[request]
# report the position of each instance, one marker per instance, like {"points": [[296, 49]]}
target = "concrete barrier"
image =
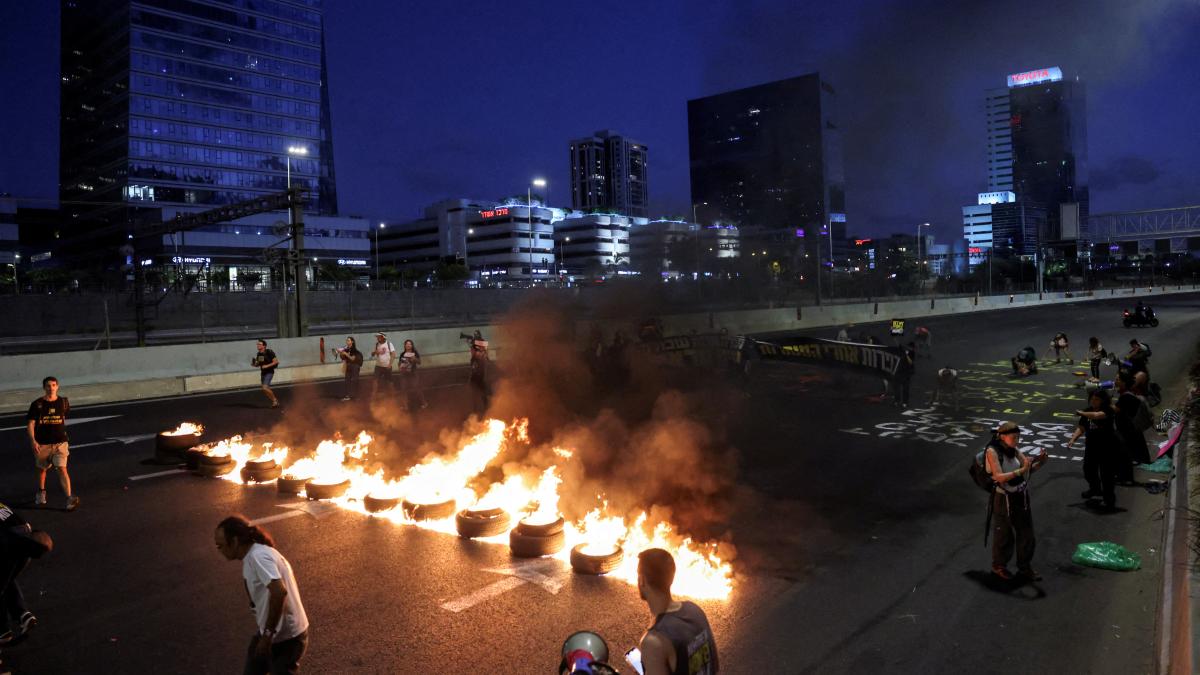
{"points": [[147, 372]]}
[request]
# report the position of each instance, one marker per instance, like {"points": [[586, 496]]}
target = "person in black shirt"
{"points": [[352, 361], [1127, 406], [680, 642], [47, 424], [904, 374], [18, 543], [266, 362], [1101, 447], [480, 394]]}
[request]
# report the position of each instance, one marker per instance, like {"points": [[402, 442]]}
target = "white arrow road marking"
{"points": [[168, 472], [124, 440], [70, 422], [547, 573], [315, 509]]}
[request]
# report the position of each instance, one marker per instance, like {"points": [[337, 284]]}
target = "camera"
{"points": [[475, 341]]}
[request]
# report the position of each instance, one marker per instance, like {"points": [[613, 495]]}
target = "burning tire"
{"points": [[585, 563], [375, 504], [316, 490], [482, 523], [541, 529], [215, 459], [192, 456], [431, 511], [212, 469], [261, 465], [251, 474], [533, 546], [290, 485]]}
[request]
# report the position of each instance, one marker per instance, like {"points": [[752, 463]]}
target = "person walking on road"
{"points": [[19, 543], [352, 361], [1012, 518], [47, 426], [266, 362], [1101, 448], [384, 353], [904, 374], [1096, 354], [680, 640], [410, 383], [282, 635]]}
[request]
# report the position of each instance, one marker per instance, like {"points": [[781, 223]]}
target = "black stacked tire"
{"points": [[375, 504], [482, 523], [316, 490], [584, 563], [433, 511], [290, 485], [169, 449], [534, 546], [214, 465], [542, 529], [261, 473]]}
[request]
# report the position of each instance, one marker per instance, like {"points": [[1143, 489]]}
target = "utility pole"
{"points": [[300, 322]]}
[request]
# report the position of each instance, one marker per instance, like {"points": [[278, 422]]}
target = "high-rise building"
{"points": [[998, 110], [770, 157], [194, 103], [608, 172]]}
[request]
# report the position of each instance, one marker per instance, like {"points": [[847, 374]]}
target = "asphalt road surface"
{"points": [[859, 535]]}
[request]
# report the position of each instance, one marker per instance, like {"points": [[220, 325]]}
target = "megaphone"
{"points": [[585, 652]]}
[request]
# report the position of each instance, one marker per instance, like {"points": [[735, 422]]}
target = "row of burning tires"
{"points": [[526, 540]]}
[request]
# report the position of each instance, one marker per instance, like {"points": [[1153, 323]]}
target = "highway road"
{"points": [[858, 532]]}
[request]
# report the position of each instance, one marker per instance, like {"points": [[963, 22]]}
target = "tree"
{"points": [[249, 280], [451, 271]]}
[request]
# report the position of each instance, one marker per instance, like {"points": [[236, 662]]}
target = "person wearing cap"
{"points": [[1012, 518], [384, 353]]}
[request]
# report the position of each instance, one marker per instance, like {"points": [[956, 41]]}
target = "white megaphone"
{"points": [[585, 652]]}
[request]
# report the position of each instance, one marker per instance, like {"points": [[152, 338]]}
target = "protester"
{"points": [[1101, 447], [1128, 405], [266, 362], [282, 634], [47, 427], [352, 361], [923, 340], [1061, 345], [680, 640], [1096, 354], [843, 334], [1012, 518], [1025, 362], [946, 386], [478, 379], [904, 374], [18, 544], [410, 384], [384, 353], [1138, 357]]}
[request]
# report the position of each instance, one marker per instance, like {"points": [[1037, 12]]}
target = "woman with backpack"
{"points": [[352, 361], [1102, 447], [1012, 519]]}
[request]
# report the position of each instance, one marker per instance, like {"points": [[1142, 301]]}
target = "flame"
{"points": [[186, 428], [530, 495]]}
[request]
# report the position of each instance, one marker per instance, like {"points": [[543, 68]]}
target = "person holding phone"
{"points": [[680, 641]]}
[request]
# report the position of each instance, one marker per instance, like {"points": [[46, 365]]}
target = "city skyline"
{"points": [[478, 128]]}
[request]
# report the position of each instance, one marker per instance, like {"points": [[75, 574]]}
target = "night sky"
{"points": [[433, 100]]}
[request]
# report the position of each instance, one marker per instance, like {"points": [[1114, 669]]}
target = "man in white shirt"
{"points": [[274, 598], [385, 353]]}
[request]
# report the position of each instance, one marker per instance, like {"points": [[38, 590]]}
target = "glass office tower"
{"points": [[770, 157], [193, 103]]}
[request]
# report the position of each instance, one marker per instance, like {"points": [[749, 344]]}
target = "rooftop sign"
{"points": [[1035, 76], [997, 198]]}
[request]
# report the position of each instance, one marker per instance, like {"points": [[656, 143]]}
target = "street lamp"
{"points": [[538, 183], [381, 226], [562, 262], [467, 251], [299, 151], [16, 282], [920, 270]]}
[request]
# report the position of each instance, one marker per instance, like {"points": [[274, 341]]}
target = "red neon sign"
{"points": [[493, 213], [974, 249], [860, 242]]}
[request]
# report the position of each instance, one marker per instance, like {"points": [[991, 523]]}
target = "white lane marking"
{"points": [[156, 474], [316, 509], [485, 593], [74, 446], [132, 439], [70, 422], [545, 572], [277, 516]]}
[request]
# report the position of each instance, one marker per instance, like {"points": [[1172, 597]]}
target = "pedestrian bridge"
{"points": [[1175, 223]]}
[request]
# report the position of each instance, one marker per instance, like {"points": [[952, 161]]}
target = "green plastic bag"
{"points": [[1160, 465], [1106, 555]]}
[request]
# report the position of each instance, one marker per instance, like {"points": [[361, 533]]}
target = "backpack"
{"points": [[1153, 395], [979, 473]]}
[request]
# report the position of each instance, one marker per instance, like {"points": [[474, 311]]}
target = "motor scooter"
{"points": [[1146, 318]]}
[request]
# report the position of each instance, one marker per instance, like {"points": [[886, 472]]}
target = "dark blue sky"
{"points": [[433, 100]]}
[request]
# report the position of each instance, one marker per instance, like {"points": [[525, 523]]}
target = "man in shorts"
{"points": [[47, 419], [385, 353], [266, 362]]}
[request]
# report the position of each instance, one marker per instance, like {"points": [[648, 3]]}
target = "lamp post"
{"points": [[562, 263], [381, 226], [467, 252], [920, 266], [538, 183], [16, 281], [299, 151]]}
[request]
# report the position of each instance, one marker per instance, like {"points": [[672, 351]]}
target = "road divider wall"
{"points": [[104, 376]]}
